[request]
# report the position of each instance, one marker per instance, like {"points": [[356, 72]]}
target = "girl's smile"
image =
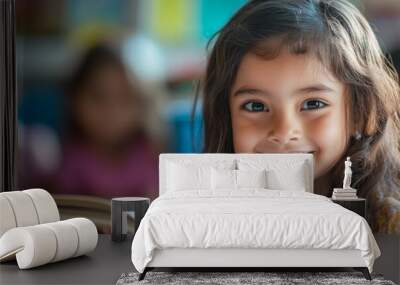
{"points": [[289, 104]]}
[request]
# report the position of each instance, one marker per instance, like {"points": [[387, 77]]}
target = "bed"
{"points": [[246, 211]]}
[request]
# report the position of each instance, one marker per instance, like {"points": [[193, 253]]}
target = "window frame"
{"points": [[8, 96]]}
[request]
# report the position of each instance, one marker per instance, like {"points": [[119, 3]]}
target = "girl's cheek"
{"points": [[317, 130], [247, 133], [327, 129], [328, 134]]}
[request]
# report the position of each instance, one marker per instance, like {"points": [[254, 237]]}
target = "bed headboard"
{"points": [[267, 158]]}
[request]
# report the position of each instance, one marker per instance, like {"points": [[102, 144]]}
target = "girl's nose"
{"points": [[284, 129]]}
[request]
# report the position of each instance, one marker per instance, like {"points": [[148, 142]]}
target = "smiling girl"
{"points": [[308, 76]]}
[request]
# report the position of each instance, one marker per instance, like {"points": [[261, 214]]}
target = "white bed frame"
{"points": [[249, 257]]}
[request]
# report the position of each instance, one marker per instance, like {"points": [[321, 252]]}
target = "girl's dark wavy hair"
{"points": [[336, 32]]}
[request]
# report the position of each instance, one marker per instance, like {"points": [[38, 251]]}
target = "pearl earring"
{"points": [[357, 135]]}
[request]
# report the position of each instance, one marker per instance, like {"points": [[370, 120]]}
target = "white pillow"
{"points": [[293, 180], [223, 179], [251, 178], [193, 174], [228, 179], [187, 177], [281, 175]]}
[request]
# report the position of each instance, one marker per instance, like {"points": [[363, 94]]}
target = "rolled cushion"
{"points": [[45, 205], [87, 235], [33, 246], [66, 239], [23, 208], [41, 244], [7, 218], [26, 208]]}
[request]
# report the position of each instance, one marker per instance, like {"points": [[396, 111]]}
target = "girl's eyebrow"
{"points": [[304, 90]]}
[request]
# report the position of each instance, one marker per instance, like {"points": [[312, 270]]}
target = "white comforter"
{"points": [[250, 219]]}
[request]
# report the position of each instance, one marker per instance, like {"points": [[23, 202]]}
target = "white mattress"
{"points": [[252, 218]]}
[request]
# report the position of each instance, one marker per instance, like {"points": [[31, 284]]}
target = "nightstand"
{"points": [[120, 209], [356, 205]]}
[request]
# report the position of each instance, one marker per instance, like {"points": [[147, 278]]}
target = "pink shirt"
{"points": [[85, 173]]}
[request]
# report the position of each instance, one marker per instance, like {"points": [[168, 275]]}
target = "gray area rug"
{"points": [[226, 278]]}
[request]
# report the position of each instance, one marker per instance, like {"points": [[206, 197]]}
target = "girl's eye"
{"points": [[313, 104], [254, 106]]}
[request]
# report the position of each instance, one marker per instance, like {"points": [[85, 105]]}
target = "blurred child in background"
{"points": [[107, 151]]}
